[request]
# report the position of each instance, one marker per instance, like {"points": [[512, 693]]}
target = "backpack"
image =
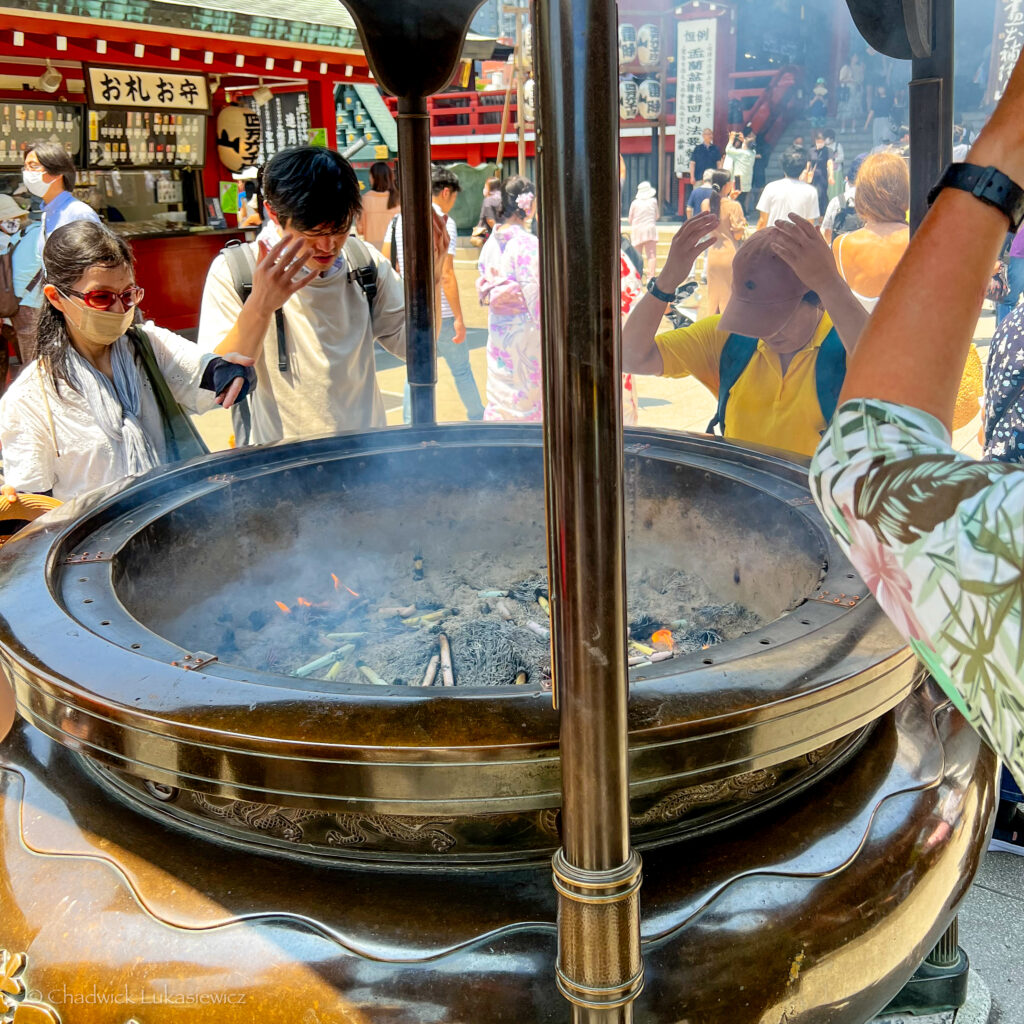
{"points": [[829, 371], [241, 262], [846, 219], [8, 300]]}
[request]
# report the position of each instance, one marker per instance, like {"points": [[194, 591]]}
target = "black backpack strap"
{"points": [[736, 353], [182, 438], [363, 268], [829, 373], [393, 243], [242, 264]]}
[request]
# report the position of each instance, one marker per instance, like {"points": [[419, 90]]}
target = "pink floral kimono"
{"points": [[509, 285]]}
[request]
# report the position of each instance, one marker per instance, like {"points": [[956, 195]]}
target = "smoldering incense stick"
{"points": [[431, 673], [447, 673]]}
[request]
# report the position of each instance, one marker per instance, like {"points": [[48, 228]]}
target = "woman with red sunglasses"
{"points": [[101, 400]]}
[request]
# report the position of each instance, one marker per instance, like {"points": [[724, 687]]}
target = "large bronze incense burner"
{"points": [[259, 823], [156, 574], [231, 798]]}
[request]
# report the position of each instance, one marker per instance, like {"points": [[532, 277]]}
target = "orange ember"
{"points": [[338, 585], [283, 607], [662, 638], [303, 603]]}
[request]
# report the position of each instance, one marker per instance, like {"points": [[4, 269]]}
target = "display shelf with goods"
{"points": [[143, 138], [22, 123]]}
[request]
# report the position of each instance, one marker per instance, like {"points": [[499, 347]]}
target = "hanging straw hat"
{"points": [[645, 190]]}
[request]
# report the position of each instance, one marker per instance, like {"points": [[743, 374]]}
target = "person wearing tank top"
{"points": [[867, 257]]}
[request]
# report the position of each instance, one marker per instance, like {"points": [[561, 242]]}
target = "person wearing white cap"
{"points": [[643, 226]]}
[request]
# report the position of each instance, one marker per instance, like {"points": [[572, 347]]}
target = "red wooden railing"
{"points": [[769, 99], [465, 113]]}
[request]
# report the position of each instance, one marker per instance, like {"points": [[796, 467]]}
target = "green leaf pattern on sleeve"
{"points": [[939, 540]]}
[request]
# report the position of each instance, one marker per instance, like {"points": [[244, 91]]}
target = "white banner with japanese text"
{"points": [[1007, 40], [695, 86], [147, 90]]}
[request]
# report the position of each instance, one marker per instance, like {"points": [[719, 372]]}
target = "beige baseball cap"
{"points": [[765, 290]]}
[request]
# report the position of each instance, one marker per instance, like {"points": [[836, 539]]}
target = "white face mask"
{"points": [[34, 183], [9, 227], [100, 326]]}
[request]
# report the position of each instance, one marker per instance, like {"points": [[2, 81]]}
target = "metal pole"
{"points": [[596, 874], [931, 112], [518, 73], [504, 123], [417, 250]]}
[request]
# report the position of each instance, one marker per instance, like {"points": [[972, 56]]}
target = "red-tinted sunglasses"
{"points": [[100, 298]]}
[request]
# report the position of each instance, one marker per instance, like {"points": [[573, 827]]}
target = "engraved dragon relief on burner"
{"points": [[338, 829], [737, 790]]}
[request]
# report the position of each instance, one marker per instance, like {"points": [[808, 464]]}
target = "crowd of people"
{"points": [[823, 330]]}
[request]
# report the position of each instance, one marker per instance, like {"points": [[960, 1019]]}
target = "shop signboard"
{"points": [[285, 122], [136, 89], [695, 86]]}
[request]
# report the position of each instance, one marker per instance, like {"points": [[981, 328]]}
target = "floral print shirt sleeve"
{"points": [[939, 540]]}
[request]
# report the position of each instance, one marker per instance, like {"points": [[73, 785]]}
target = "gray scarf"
{"points": [[116, 405]]}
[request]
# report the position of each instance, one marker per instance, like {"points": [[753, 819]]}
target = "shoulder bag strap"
{"points": [[183, 439], [49, 411]]}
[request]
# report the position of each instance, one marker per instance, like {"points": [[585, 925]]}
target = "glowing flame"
{"points": [[283, 607], [338, 585], [662, 638], [303, 603]]}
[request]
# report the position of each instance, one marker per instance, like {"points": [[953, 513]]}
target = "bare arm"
{"points": [[762, 221], [639, 352], [915, 345], [693, 174], [450, 287], [800, 244]]}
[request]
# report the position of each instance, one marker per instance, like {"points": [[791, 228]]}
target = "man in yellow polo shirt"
{"points": [[788, 307]]}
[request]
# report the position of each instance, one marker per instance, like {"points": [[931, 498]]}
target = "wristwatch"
{"points": [[652, 287], [987, 184]]}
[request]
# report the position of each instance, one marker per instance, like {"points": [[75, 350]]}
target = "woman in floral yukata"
{"points": [[509, 285], [937, 536]]}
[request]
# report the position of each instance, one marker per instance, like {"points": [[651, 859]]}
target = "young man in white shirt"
{"points": [[325, 382], [788, 195]]}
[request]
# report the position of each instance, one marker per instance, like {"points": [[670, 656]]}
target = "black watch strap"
{"points": [[987, 184], [652, 287]]}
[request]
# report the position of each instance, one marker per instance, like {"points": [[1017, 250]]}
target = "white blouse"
{"points": [[73, 455]]}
